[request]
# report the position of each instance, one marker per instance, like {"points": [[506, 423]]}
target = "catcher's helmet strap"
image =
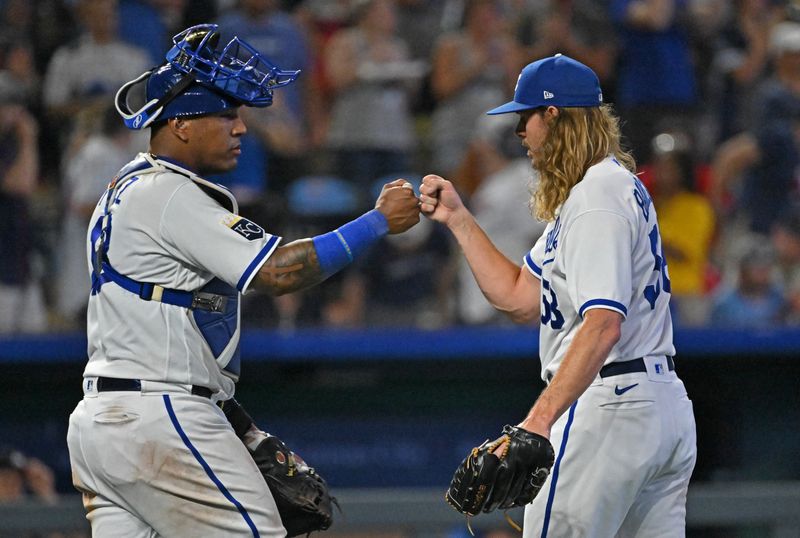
{"points": [[149, 112]]}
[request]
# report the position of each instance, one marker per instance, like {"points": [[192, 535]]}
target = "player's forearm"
{"points": [[22, 176], [593, 342], [307, 262], [495, 274], [292, 267], [242, 423]]}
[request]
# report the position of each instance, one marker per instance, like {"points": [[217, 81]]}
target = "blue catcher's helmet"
{"points": [[200, 78]]}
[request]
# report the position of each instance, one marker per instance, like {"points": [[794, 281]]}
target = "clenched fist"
{"points": [[439, 200], [399, 205]]}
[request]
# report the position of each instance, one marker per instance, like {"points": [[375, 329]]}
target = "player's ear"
{"points": [[551, 113], [179, 128]]}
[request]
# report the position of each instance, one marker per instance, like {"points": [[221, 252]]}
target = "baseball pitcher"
{"points": [[614, 410]]}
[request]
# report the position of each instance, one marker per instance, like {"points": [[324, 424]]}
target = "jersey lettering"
{"points": [[551, 315], [552, 237], [652, 291], [662, 283], [642, 198]]}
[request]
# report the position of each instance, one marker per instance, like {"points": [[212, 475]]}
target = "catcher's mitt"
{"points": [[302, 496], [484, 482]]}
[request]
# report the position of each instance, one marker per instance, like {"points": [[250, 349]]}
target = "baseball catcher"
{"points": [[165, 309], [304, 502], [505, 473]]}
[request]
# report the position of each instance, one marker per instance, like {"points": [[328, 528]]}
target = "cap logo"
{"points": [[548, 95], [137, 121]]}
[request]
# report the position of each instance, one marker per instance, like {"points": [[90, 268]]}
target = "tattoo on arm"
{"points": [[291, 267]]}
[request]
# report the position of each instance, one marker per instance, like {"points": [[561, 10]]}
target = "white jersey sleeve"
{"points": [[533, 260], [200, 232]]}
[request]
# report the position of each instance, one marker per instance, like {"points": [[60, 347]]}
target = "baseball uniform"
{"points": [[625, 449], [169, 258]]}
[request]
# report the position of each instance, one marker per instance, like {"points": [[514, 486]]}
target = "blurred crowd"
{"points": [[708, 91]]}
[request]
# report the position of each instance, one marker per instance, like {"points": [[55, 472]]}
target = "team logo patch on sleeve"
{"points": [[246, 228]]}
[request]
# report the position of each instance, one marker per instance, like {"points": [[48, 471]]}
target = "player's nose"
{"points": [[521, 128], [239, 128]]}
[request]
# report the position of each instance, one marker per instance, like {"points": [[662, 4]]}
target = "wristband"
{"points": [[237, 416], [337, 249]]}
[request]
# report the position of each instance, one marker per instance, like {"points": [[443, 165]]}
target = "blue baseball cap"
{"points": [[558, 81]]}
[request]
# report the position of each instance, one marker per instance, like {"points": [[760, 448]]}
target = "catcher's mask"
{"points": [[200, 78]]}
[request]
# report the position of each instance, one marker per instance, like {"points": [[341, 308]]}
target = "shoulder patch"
{"points": [[244, 227]]}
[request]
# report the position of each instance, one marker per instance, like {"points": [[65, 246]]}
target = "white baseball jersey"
{"points": [[625, 450], [164, 227], [603, 250], [169, 260]]}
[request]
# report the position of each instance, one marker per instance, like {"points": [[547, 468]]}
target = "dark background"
{"points": [[390, 422]]}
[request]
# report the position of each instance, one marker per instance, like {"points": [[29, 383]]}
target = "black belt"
{"points": [[106, 384], [628, 367], [625, 367]]}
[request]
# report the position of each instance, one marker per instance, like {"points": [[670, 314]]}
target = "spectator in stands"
{"points": [[270, 160], [655, 77], [786, 242], [792, 314], [756, 299], [22, 477], [272, 31], [472, 69], [17, 67], [18, 71], [421, 22], [87, 172], [502, 172], [740, 58], [87, 73], [21, 299], [321, 20], [45, 24], [765, 159], [580, 29], [686, 221], [371, 130], [143, 25]]}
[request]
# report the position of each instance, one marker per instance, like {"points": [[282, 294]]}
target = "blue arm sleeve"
{"points": [[337, 249]]}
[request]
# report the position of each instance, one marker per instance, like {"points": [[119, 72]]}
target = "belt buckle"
{"points": [[209, 301]]}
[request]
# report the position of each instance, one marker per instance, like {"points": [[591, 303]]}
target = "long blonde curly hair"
{"points": [[576, 139]]}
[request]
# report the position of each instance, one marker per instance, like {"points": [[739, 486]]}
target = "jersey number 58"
{"points": [[550, 312], [652, 291]]}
